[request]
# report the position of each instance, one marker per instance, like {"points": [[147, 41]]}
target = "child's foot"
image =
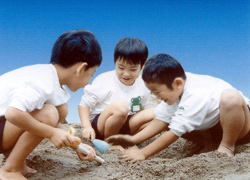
{"points": [[227, 150], [4, 175], [123, 140], [27, 170], [116, 147]]}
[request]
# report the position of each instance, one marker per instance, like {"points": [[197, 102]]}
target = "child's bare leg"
{"points": [[234, 119], [139, 121], [121, 139], [14, 164], [62, 111], [113, 118], [22, 143], [25, 169]]}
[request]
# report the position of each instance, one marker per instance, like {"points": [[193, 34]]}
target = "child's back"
{"points": [[27, 88], [33, 100]]}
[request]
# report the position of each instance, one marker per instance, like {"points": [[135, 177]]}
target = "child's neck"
{"points": [[182, 90], [62, 74]]}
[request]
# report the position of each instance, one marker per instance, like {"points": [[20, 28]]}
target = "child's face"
{"points": [[82, 79], [127, 73], [161, 91]]}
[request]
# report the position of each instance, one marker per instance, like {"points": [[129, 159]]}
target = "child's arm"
{"points": [[153, 128], [158, 145], [60, 138], [88, 132]]}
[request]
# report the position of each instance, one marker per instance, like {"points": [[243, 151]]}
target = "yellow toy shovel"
{"points": [[81, 148]]}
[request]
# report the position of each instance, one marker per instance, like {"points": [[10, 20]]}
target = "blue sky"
{"points": [[207, 37]]}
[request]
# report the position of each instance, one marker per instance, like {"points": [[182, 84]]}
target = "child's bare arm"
{"points": [[158, 145], [25, 121], [153, 128], [88, 132]]}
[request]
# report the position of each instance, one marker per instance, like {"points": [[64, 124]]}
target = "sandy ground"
{"points": [[176, 162]]}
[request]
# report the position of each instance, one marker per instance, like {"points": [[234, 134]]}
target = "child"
{"points": [[33, 100], [190, 103], [109, 105]]}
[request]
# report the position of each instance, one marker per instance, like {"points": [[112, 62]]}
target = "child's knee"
{"points": [[62, 111], [231, 99], [122, 108], [47, 115]]}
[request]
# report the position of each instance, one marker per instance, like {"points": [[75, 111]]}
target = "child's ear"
{"points": [[178, 82], [81, 67]]}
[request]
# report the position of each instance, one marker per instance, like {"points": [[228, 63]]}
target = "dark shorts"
{"points": [[2, 124], [216, 135], [124, 130]]}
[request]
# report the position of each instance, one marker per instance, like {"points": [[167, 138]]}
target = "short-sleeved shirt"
{"points": [[107, 88], [29, 88], [198, 108]]}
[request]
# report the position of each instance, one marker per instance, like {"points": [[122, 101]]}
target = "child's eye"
{"points": [[120, 67], [133, 69]]}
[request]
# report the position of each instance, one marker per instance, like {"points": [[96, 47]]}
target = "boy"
{"points": [[190, 104], [33, 100], [107, 106]]}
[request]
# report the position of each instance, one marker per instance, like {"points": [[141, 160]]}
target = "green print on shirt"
{"points": [[136, 105]]}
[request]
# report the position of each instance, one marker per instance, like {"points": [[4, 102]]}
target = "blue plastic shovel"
{"points": [[100, 145]]}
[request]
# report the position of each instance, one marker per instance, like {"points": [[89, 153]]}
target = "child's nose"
{"points": [[126, 73]]}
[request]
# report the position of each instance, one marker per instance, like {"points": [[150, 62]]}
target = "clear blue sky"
{"points": [[207, 37]]}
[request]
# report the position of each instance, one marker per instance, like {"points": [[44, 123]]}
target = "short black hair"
{"points": [[132, 50], [162, 69], [76, 46]]}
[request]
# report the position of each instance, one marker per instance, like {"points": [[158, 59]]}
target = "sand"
{"points": [[176, 162]]}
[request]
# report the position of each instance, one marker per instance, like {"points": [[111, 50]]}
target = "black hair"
{"points": [[76, 46], [132, 50], [162, 69]]}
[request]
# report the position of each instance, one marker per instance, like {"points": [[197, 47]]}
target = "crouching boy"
{"points": [[33, 100]]}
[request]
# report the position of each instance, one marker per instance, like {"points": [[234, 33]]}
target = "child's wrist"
{"points": [[86, 125], [133, 140], [143, 153]]}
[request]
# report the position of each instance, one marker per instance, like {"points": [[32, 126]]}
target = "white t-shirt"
{"points": [[107, 88], [198, 108], [29, 88]]}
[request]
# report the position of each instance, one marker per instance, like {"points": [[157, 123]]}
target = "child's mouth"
{"points": [[126, 79]]}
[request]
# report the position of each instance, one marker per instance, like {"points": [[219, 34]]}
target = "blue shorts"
{"points": [[124, 130], [2, 124]]}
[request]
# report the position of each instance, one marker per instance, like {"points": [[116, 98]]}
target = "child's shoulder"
{"points": [[201, 86], [106, 74], [31, 71], [204, 81], [33, 75], [105, 78]]}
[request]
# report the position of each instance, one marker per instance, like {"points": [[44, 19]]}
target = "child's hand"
{"points": [[134, 154], [60, 138], [91, 155], [123, 140], [88, 134]]}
